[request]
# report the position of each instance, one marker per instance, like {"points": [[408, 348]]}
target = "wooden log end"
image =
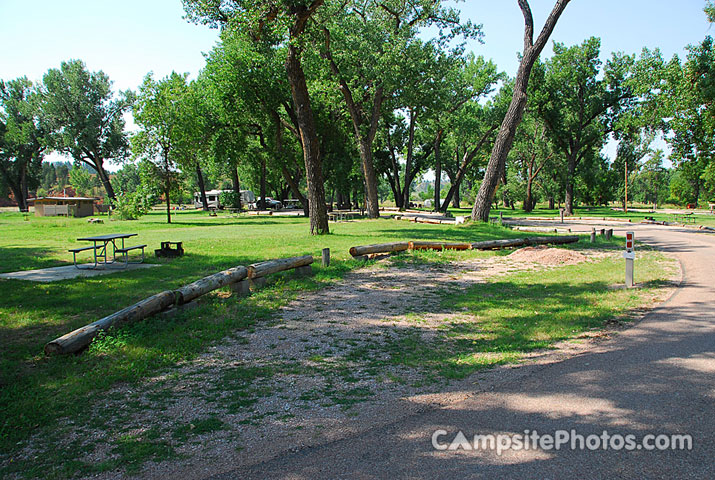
{"points": [[53, 348]]}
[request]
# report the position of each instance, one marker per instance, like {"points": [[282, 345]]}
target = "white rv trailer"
{"points": [[213, 198]]}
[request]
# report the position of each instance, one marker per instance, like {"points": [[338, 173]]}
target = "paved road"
{"points": [[657, 377]]}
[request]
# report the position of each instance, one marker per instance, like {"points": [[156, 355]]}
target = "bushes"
{"points": [[230, 199], [131, 206]]}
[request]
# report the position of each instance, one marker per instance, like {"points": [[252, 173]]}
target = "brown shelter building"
{"points": [[63, 206]]}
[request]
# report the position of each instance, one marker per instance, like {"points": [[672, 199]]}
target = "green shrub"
{"points": [[131, 206], [230, 199]]}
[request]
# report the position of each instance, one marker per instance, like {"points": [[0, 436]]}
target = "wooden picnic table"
{"points": [[684, 217], [341, 215], [100, 244]]}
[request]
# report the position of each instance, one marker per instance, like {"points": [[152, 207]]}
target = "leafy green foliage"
{"points": [[86, 119], [23, 138], [131, 206]]}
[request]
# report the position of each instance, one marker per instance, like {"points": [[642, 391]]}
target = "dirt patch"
{"points": [[548, 256]]}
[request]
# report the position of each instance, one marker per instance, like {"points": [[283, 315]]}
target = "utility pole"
{"points": [[625, 203]]}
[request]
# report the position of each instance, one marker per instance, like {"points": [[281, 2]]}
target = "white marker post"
{"points": [[629, 255]]}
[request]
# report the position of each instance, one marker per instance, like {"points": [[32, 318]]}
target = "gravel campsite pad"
{"points": [[319, 371]]}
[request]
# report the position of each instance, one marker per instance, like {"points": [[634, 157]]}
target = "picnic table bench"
{"points": [[100, 247], [684, 217], [341, 216]]}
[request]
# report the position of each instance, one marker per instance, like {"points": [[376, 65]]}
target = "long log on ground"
{"points": [[200, 287], [426, 245], [379, 248], [80, 338], [520, 242], [498, 244], [262, 269], [553, 240], [435, 221]]}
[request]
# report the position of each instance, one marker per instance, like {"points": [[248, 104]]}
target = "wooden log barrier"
{"points": [[433, 221], [498, 244], [562, 240], [200, 287], [262, 269], [520, 242], [425, 245], [80, 338], [379, 248]]}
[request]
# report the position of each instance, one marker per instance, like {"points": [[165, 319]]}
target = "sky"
{"points": [[128, 39]]}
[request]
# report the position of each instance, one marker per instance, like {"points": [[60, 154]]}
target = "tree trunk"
{"points": [[394, 187], [168, 204], [202, 187], [569, 200], [368, 168], [395, 179], [15, 184], [504, 193], [408, 162], [528, 199], [262, 201], [456, 197], [505, 137], [295, 190], [104, 178], [466, 161], [364, 140], [236, 186], [437, 172], [309, 140]]}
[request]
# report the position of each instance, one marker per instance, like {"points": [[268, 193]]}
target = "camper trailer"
{"points": [[213, 198]]}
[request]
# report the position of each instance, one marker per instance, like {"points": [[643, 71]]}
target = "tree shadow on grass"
{"points": [[14, 259]]}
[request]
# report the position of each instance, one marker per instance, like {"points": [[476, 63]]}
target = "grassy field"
{"points": [[700, 217], [36, 392]]}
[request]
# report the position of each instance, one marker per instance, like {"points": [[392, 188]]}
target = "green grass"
{"points": [[706, 219], [37, 392], [524, 311]]}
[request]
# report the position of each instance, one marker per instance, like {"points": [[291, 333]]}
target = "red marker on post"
{"points": [[630, 256]]}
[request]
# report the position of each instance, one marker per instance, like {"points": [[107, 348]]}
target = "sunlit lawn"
{"points": [[520, 312], [34, 389], [706, 219]]}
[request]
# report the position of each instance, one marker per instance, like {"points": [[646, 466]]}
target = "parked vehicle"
{"points": [[270, 204], [213, 198], [292, 204]]}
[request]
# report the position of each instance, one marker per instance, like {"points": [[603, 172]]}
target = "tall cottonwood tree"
{"points": [[370, 51], [505, 137], [22, 138], [163, 139], [245, 84], [86, 117], [686, 102], [279, 23], [579, 106]]}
